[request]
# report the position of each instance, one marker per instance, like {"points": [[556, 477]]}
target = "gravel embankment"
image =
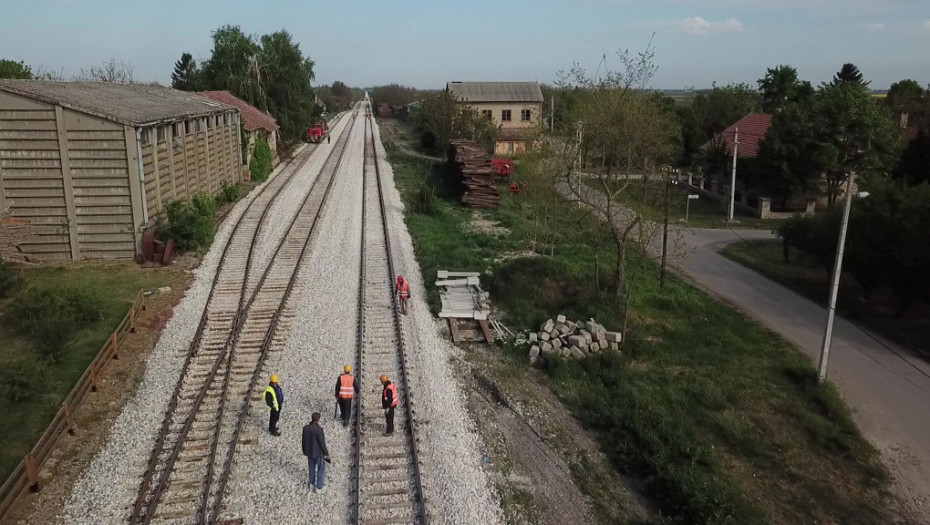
{"points": [[457, 489], [106, 490], [269, 478]]}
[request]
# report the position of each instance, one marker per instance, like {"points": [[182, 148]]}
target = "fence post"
{"points": [[93, 376], [68, 418], [132, 319], [114, 340], [32, 473]]}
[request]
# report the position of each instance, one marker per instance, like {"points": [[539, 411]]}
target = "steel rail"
{"points": [[154, 461]]}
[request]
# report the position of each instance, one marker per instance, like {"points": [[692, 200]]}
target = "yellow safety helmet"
{"points": [[384, 378], [274, 378], [348, 368]]}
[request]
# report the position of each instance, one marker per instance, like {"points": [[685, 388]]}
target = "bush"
{"points": [[189, 225], [18, 379], [50, 318], [10, 280], [424, 201], [428, 140], [261, 160], [229, 193]]}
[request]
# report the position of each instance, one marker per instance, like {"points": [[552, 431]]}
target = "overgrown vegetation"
{"points": [[441, 119], [721, 420], [260, 166], [229, 193], [10, 280], [90, 301], [189, 224]]}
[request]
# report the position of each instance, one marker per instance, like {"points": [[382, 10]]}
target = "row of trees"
{"points": [[112, 70], [268, 71]]}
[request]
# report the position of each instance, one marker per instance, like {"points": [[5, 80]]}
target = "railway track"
{"points": [[189, 465], [387, 481]]}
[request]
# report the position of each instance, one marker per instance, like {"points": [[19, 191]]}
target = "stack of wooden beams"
{"points": [[478, 174]]}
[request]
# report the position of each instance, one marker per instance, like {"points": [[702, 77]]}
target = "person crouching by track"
{"points": [[346, 389], [313, 444], [274, 398], [403, 293], [388, 403]]}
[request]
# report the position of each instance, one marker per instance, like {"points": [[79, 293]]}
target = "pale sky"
{"points": [[426, 43]]}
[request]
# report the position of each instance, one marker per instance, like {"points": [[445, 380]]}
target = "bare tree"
{"points": [[629, 139], [112, 70], [44, 73]]}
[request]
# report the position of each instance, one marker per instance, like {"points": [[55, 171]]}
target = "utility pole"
{"points": [[733, 177], [668, 189], [835, 283]]}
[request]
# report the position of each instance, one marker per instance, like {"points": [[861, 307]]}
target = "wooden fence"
{"points": [[26, 474]]}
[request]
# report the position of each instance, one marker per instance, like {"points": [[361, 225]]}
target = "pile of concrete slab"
{"points": [[568, 339]]}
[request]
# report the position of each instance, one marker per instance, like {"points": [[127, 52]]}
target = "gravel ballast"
{"points": [[106, 490], [268, 483], [456, 487]]}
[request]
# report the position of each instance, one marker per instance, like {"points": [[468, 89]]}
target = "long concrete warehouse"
{"points": [[85, 167]]}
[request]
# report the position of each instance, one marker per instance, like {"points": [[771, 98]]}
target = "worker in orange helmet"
{"points": [[388, 403], [346, 389], [403, 293]]}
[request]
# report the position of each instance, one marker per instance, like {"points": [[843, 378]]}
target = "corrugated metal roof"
{"points": [[130, 104], [496, 91], [752, 129], [252, 117]]}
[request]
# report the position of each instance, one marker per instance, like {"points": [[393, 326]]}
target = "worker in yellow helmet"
{"points": [[274, 398], [346, 390]]}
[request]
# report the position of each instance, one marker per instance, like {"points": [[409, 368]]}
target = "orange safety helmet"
{"points": [[384, 378]]}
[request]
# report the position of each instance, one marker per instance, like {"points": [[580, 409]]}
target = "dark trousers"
{"points": [[345, 408], [275, 415], [389, 419]]}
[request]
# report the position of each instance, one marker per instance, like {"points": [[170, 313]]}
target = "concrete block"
{"points": [[547, 326], [560, 319], [594, 347], [557, 343], [577, 340], [577, 354], [580, 325], [614, 346], [533, 337], [543, 336], [613, 337], [553, 334], [566, 330], [566, 352], [558, 327], [534, 352], [587, 336], [545, 346]]}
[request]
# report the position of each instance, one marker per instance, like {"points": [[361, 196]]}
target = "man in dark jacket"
{"points": [[274, 398], [388, 403], [313, 443]]}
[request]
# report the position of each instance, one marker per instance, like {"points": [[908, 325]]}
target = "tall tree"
{"points": [[914, 166], [185, 74], [287, 79], [12, 69], [849, 74], [780, 87], [235, 65], [790, 159], [113, 70], [723, 106], [446, 119]]}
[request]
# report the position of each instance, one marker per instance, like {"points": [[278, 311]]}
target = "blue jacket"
{"points": [[278, 392]]}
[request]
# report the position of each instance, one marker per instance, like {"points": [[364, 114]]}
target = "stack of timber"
{"points": [[478, 174], [463, 301]]}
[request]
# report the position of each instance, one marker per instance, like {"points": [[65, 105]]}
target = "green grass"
{"points": [[701, 213], [807, 277], [116, 286], [720, 419]]}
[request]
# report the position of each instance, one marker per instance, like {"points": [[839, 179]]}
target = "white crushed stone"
{"points": [[106, 490], [456, 486], [268, 483]]}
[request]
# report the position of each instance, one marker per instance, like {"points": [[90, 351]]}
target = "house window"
{"points": [[486, 113], [525, 115], [145, 136], [505, 115], [188, 127], [225, 119], [161, 133], [178, 129]]}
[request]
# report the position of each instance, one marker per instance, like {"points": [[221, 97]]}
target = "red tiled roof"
{"points": [[752, 129], [252, 117]]}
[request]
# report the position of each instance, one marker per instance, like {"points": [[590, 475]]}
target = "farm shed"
{"points": [[255, 122], [85, 167]]}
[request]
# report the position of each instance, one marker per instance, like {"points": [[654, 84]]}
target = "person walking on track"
{"points": [[274, 398], [403, 293], [388, 403], [346, 389], [313, 444]]}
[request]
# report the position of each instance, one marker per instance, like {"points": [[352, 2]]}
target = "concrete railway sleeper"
{"points": [[200, 432], [387, 483]]}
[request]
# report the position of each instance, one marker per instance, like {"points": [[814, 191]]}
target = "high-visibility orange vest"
{"points": [[403, 290], [346, 386], [393, 388]]}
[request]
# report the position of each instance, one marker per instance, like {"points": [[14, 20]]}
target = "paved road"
{"points": [[887, 387]]}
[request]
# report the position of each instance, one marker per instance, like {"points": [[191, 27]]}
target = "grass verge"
{"points": [[720, 419], [807, 277], [47, 382]]}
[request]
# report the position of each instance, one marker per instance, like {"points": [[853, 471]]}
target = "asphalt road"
{"points": [[887, 387]]}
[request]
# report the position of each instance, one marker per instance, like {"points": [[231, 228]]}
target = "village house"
{"points": [[255, 122], [515, 107], [86, 167]]}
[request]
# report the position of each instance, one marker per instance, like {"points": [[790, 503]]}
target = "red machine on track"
{"points": [[317, 132]]}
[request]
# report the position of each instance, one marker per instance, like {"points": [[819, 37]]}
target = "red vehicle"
{"points": [[316, 133]]}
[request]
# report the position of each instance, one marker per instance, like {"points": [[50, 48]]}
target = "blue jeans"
{"points": [[317, 471]]}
